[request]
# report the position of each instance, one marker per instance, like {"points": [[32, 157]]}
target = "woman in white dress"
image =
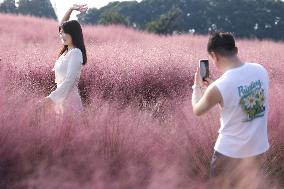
{"points": [[66, 98]]}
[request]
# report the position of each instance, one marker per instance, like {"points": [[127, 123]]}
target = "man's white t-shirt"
{"points": [[243, 131]]}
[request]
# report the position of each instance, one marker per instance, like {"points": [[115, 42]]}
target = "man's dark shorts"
{"points": [[222, 165]]}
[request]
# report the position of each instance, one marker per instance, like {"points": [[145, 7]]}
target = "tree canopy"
{"points": [[245, 18], [39, 8], [262, 19]]}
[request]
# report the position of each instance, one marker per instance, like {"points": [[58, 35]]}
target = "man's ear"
{"points": [[215, 56]]}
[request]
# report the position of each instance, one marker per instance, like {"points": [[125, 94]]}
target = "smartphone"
{"points": [[204, 68]]}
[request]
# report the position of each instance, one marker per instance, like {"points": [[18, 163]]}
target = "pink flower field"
{"points": [[139, 130]]}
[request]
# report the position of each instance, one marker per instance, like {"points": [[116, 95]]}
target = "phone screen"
{"points": [[204, 68]]}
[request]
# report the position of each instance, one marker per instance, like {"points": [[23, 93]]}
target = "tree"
{"points": [[125, 9], [91, 17], [166, 24], [111, 17], [39, 8], [8, 6], [262, 19]]}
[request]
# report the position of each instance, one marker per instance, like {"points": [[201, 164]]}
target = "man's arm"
{"points": [[202, 103]]}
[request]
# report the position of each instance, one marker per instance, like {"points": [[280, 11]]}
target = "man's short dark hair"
{"points": [[222, 44]]}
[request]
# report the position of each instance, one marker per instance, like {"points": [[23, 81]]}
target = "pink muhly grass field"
{"points": [[139, 130]]}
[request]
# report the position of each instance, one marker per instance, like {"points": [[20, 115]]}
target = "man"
{"points": [[242, 95]]}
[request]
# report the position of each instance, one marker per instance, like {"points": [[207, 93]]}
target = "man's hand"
{"points": [[208, 81], [201, 103], [198, 79]]}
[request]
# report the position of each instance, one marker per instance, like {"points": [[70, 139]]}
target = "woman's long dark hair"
{"points": [[74, 29]]}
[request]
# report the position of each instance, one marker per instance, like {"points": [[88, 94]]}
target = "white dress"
{"points": [[67, 74]]}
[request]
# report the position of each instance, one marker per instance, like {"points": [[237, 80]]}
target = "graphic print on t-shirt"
{"points": [[252, 100]]}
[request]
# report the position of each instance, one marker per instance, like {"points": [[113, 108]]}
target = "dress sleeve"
{"points": [[73, 72]]}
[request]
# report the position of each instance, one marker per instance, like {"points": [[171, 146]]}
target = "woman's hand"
{"points": [[44, 104], [81, 8], [42, 107], [66, 17]]}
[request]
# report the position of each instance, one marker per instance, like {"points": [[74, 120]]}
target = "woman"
{"points": [[68, 67]]}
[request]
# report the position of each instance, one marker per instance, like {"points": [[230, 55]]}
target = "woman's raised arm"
{"points": [[66, 17]]}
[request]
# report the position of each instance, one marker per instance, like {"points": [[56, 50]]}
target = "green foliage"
{"points": [[123, 11], [166, 24], [93, 14], [39, 8], [111, 17], [245, 18], [262, 19], [8, 6]]}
